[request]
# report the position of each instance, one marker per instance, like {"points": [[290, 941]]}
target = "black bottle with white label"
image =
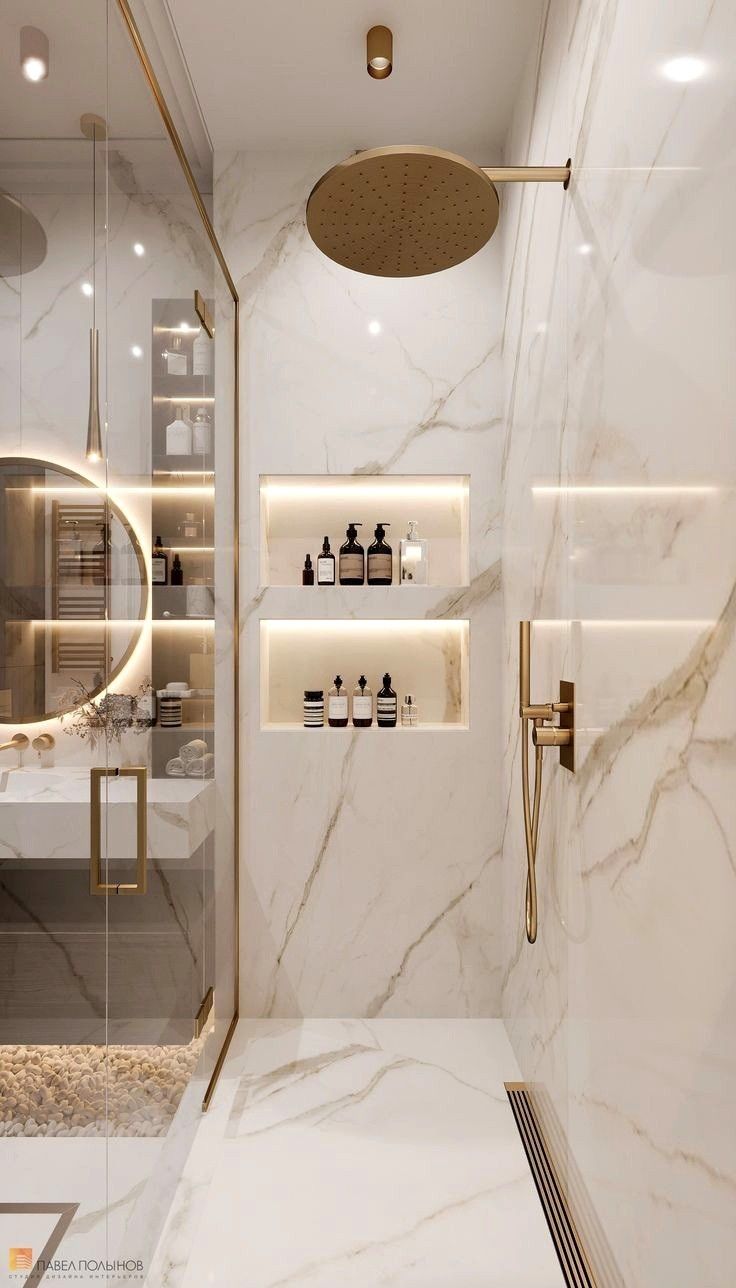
{"points": [[326, 566], [380, 559], [386, 705], [362, 704], [352, 558], [159, 565]]}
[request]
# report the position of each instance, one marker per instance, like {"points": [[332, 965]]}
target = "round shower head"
{"points": [[22, 239], [402, 211]]}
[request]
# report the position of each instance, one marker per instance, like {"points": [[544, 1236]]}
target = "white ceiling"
{"points": [[291, 73]]}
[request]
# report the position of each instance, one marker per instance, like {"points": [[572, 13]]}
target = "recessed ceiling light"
{"points": [[136, 350], [87, 288], [139, 248], [585, 248], [684, 69], [375, 327], [379, 52], [34, 54]]}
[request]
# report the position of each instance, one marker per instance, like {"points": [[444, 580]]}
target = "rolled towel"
{"points": [[175, 768], [193, 750], [203, 767]]}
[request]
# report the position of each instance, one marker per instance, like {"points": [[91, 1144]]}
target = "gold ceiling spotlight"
{"points": [[379, 52]]}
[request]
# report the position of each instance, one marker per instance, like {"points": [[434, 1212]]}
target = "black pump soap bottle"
{"points": [[386, 705], [352, 558], [380, 559]]}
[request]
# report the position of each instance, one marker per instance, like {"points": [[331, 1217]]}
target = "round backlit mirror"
{"points": [[73, 590]]}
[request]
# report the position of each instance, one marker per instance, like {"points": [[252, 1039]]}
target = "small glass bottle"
{"points": [[202, 433], [177, 572], [380, 559], [414, 557], [189, 529], [308, 572], [362, 704], [386, 706], [409, 713], [179, 435], [159, 565], [352, 558], [337, 705], [326, 565], [314, 708], [176, 358]]}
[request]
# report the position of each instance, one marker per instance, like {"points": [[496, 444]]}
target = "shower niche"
{"points": [[298, 511], [428, 659]]}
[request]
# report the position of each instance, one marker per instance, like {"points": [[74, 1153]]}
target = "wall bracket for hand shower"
{"points": [[545, 733]]}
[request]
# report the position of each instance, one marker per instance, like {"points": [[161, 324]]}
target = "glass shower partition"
{"points": [[118, 652]]}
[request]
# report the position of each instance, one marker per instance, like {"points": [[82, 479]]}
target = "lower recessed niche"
{"points": [[427, 659]]}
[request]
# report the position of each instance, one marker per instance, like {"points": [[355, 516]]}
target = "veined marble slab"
{"points": [[44, 814], [360, 1153]]}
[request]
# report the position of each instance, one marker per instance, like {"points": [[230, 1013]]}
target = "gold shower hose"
{"points": [[531, 827]]}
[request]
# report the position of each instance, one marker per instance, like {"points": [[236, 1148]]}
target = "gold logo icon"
{"points": [[20, 1258]]}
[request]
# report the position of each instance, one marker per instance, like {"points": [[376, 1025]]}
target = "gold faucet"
{"points": [[18, 743]]}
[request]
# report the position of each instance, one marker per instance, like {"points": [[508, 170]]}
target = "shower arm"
{"points": [[544, 734], [529, 173]]}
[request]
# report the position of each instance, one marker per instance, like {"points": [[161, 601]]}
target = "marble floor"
{"points": [[351, 1154]]}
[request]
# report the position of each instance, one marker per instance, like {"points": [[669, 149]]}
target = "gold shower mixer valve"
{"points": [[545, 733], [541, 713]]}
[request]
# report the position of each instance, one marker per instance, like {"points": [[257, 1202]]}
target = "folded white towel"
{"points": [[203, 767], [175, 768], [193, 750]]}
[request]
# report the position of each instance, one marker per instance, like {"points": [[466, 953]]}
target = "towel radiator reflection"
{"points": [[544, 734]]}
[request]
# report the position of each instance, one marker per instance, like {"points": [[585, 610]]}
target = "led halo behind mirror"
{"points": [[68, 555]]}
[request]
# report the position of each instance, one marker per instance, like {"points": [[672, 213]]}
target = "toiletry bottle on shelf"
{"points": [[352, 560], [326, 565], [189, 529], [177, 572], [159, 565], [176, 358], [202, 354], [308, 572], [314, 708], [337, 705], [362, 704], [386, 707], [380, 559], [179, 435], [414, 557], [202, 433], [409, 713]]}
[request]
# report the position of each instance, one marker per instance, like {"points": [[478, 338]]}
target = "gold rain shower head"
{"points": [[408, 210]]}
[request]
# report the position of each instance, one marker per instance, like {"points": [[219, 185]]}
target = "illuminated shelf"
{"points": [[350, 728], [297, 511], [427, 658]]}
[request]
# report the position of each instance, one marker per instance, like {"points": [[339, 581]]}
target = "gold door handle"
{"points": [[96, 884]]}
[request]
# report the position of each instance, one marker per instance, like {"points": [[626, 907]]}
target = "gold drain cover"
{"points": [[402, 211]]}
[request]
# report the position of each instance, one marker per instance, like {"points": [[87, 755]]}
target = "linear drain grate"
{"points": [[573, 1260]]}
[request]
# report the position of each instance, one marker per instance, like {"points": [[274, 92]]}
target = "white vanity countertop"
{"points": [[181, 813]]}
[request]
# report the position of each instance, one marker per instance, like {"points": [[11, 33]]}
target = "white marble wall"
{"points": [[370, 870], [618, 347]]}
